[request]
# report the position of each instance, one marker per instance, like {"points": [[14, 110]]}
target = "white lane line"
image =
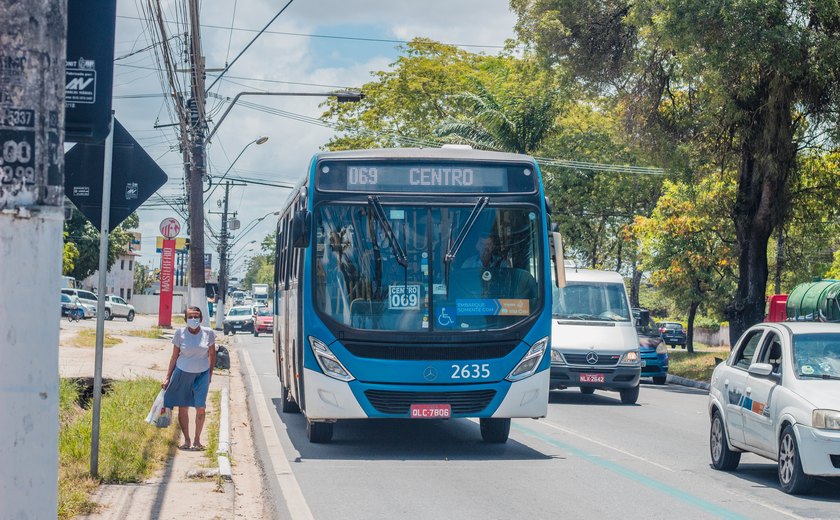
{"points": [[605, 445], [289, 486]]}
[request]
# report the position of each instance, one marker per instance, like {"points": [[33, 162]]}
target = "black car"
{"points": [[672, 333]]}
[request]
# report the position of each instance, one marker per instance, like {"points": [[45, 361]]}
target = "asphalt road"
{"points": [[592, 457]]}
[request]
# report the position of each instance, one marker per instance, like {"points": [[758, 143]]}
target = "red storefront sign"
{"points": [[167, 283]]}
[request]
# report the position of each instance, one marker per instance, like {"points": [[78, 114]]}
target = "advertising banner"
{"points": [[167, 283]]}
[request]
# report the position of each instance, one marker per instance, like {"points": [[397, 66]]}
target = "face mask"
{"points": [[193, 323]]}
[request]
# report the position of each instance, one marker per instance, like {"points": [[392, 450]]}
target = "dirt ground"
{"points": [[170, 494]]}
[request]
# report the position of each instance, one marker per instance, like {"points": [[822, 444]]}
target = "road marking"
{"points": [[644, 480], [289, 486]]}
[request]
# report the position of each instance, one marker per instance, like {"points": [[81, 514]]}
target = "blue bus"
{"points": [[414, 283]]}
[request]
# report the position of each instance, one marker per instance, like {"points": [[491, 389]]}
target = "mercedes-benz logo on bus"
{"points": [[591, 358], [430, 374]]}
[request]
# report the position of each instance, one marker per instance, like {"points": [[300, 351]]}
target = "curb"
{"points": [[224, 437], [683, 381]]}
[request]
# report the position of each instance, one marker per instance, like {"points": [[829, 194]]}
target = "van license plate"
{"points": [[431, 411], [592, 378]]}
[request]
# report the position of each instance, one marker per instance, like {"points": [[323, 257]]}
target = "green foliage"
{"points": [[79, 232], [143, 278], [70, 256], [129, 449], [688, 243]]}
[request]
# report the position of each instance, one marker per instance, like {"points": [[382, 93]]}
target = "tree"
{"points": [[81, 234], [689, 245], [143, 278], [70, 256], [761, 80]]}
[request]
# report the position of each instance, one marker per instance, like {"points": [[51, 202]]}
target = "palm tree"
{"points": [[518, 122]]}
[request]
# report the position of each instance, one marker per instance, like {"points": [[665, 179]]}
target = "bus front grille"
{"points": [[426, 352], [386, 401]]}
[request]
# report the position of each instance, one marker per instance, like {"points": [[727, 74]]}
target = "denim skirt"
{"points": [[187, 389]]}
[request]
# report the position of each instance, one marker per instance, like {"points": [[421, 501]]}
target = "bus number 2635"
{"points": [[473, 371]]}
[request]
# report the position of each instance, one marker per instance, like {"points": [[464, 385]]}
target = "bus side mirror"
{"points": [[559, 256], [301, 229]]}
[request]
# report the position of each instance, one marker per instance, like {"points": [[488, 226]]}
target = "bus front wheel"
{"points": [[494, 430], [319, 432], [288, 404]]}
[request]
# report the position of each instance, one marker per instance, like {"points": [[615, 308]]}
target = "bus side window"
{"points": [[286, 250], [278, 238]]}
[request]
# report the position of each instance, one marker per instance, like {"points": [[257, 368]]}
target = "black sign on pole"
{"points": [[134, 178], [89, 79]]}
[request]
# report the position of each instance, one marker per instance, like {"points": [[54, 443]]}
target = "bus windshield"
{"points": [[375, 274]]}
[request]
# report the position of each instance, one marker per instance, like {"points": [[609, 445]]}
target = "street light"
{"points": [[257, 141]]}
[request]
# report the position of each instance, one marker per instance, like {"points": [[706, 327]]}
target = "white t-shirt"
{"points": [[195, 349]]}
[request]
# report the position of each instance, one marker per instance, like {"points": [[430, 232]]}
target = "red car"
{"points": [[263, 321]]}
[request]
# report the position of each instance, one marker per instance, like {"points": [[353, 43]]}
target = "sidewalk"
{"points": [[172, 493]]}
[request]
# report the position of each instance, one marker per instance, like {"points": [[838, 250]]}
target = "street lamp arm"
{"points": [[341, 96]]}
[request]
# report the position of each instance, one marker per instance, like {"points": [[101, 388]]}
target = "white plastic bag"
{"points": [[158, 415]]}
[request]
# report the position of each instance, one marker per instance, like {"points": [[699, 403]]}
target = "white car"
{"points": [[778, 396], [239, 318], [117, 307]]}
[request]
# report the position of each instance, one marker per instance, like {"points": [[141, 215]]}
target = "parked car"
{"points": [[778, 396], [117, 307], [652, 348], [672, 333], [86, 298], [263, 320], [239, 318]]}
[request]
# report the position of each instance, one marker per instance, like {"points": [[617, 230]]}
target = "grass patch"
{"points": [[211, 426], [86, 338], [151, 333], [698, 365], [178, 319], [129, 449]]}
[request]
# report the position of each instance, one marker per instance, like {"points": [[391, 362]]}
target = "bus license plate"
{"points": [[431, 411], [592, 378]]}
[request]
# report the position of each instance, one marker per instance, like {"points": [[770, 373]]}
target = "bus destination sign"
{"points": [[429, 178]]}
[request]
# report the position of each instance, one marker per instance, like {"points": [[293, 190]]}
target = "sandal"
{"points": [[198, 446], [184, 446]]}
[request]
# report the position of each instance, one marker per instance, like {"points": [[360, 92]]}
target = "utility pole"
{"points": [[32, 62], [223, 259], [198, 122]]}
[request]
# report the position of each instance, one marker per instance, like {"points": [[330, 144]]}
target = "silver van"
{"points": [[594, 345]]}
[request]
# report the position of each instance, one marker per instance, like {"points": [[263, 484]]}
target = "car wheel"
{"points": [[587, 390], [226, 331], [494, 430], [723, 458], [794, 481], [660, 380], [629, 395], [130, 316], [108, 315], [319, 432]]}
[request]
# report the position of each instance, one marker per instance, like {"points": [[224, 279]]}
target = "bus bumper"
{"points": [[327, 398]]}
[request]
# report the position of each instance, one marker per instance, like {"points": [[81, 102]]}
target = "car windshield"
{"points": [[65, 298], [817, 355], [239, 312], [263, 312], [598, 301], [390, 273]]}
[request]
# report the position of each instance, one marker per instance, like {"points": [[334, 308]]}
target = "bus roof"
{"points": [[425, 153]]}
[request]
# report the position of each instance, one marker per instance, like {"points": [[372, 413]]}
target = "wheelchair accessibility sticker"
{"points": [[446, 317]]}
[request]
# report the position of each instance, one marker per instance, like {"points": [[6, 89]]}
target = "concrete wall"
{"points": [[150, 303], [712, 337]]}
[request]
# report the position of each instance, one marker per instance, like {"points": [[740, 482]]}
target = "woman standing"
{"points": [[189, 374]]}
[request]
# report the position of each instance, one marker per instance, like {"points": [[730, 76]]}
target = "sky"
{"points": [[298, 53]]}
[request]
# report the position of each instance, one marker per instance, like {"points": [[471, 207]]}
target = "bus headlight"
{"points": [[826, 419], [530, 361], [329, 364], [630, 358]]}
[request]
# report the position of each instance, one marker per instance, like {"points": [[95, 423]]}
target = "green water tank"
{"points": [[815, 300]]}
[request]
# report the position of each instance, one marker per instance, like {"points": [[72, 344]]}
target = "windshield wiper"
{"points": [[819, 376], [379, 213], [452, 251]]}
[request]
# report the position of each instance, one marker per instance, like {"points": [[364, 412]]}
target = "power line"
{"points": [[332, 36]]}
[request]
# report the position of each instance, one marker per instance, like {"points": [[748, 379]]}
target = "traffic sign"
{"points": [[170, 228], [89, 75], [135, 177]]}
